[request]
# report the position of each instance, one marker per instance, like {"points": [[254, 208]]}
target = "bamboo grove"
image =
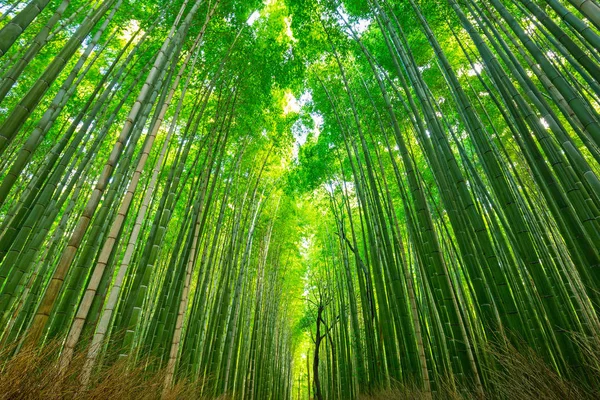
{"points": [[302, 199]]}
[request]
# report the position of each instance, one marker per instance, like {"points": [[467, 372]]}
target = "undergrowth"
{"points": [[517, 375], [33, 373]]}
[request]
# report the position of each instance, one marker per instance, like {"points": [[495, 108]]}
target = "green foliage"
{"points": [[422, 175]]}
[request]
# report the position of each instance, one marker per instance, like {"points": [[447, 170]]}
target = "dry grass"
{"points": [[525, 375], [521, 375], [33, 374]]}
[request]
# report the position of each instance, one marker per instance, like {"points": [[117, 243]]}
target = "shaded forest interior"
{"points": [[300, 199]]}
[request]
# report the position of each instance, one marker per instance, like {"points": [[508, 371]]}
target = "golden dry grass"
{"points": [[33, 374], [520, 375]]}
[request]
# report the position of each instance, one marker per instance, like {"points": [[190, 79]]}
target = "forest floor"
{"points": [[522, 375]]}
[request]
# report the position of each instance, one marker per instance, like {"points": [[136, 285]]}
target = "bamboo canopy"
{"points": [[294, 199]]}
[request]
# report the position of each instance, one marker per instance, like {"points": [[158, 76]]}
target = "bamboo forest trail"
{"points": [[300, 199]]}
